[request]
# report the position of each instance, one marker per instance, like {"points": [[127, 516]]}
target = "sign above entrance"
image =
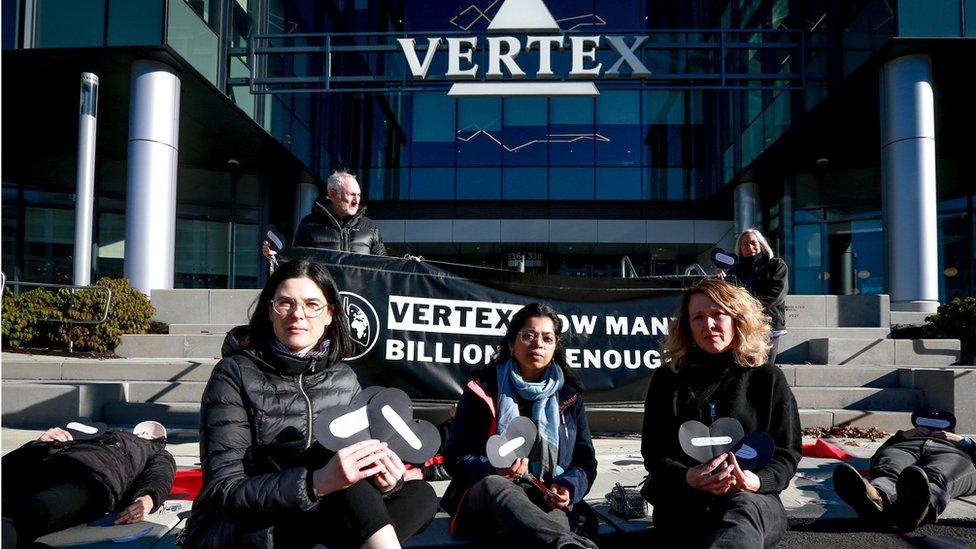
{"points": [[523, 51]]}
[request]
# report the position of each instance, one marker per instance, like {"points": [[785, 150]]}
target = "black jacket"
{"points": [[321, 229], [475, 421], [767, 280], [256, 442], [759, 398], [127, 465]]}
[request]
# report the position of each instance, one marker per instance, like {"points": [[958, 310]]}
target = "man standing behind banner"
{"points": [[339, 224]]}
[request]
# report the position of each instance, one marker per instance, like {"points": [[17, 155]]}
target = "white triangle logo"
{"points": [[523, 15]]}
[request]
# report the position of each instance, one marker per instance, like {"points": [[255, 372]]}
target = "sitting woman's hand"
{"points": [[519, 468], [714, 477], [393, 471], [56, 434], [720, 273], [349, 466], [559, 498], [745, 481], [136, 511], [947, 435]]}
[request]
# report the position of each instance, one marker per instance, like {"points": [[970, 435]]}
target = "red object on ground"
{"points": [[187, 484], [823, 449]]}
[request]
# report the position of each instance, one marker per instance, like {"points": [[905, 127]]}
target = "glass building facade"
{"points": [[782, 94]]}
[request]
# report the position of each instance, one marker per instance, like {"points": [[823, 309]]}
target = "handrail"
{"points": [[701, 271], [625, 266], [72, 287]]}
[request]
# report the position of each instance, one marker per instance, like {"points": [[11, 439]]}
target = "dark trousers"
{"points": [[348, 518], [48, 507], [951, 472], [743, 520], [498, 506], [772, 352]]}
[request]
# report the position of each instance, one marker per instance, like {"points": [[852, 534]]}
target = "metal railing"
{"points": [[73, 288]]}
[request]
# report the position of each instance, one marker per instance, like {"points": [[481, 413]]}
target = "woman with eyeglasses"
{"points": [[267, 483], [527, 377]]}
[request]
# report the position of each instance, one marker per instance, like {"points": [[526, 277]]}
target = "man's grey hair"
{"points": [[334, 183]]}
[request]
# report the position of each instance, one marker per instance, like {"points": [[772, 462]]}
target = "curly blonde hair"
{"points": [[751, 344]]}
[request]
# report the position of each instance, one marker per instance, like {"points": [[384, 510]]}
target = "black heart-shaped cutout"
{"points": [[704, 443], [391, 420], [723, 259], [754, 450], [340, 426], [84, 428], [940, 420], [516, 442]]}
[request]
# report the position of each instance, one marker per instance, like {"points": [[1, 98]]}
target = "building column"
{"points": [[150, 195], [908, 176], [746, 203]]}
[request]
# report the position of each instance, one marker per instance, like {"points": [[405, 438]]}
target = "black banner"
{"points": [[424, 328]]}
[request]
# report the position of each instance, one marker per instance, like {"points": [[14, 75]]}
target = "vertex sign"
{"points": [[532, 19]]}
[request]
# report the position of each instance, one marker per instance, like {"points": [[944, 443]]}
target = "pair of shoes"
{"points": [[912, 506], [857, 492]]}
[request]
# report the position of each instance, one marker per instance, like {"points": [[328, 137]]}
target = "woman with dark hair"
{"points": [[266, 482], [716, 366], [527, 377], [767, 279]]}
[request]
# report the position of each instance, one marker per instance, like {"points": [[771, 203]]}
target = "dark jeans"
{"points": [[349, 517], [744, 520], [772, 352], [48, 506], [951, 472], [498, 506]]}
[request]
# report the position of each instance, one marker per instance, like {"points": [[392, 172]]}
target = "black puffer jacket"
{"points": [[321, 229], [768, 280], [128, 466], [256, 445]]}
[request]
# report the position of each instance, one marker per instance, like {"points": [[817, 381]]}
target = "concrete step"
{"points": [[170, 414], [170, 345], [201, 328], [892, 399], [41, 405], [834, 375], [36, 367], [188, 306], [909, 318], [837, 311], [794, 346], [936, 352], [886, 421], [153, 391]]}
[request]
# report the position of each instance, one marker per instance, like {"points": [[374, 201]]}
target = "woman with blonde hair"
{"points": [[766, 277], [716, 365]]}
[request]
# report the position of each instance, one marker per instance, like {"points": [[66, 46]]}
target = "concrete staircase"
{"points": [[837, 358]]}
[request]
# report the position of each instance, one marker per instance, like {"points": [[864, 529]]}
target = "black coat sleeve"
{"points": [[464, 451], [581, 473], [225, 436], [302, 235], [155, 480], [377, 247], [659, 436], [784, 428], [773, 292]]}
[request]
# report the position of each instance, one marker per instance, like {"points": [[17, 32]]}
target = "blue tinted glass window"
{"points": [[69, 23], [526, 131], [433, 134], [618, 184], [618, 128], [132, 23], [432, 184], [571, 183], [479, 132], [387, 183], [666, 184], [928, 18], [664, 107], [479, 184], [572, 136], [525, 184]]}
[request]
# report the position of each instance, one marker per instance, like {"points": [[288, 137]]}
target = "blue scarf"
{"points": [[544, 396]]}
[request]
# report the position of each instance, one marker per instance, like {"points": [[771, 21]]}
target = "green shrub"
{"points": [[957, 320], [25, 324]]}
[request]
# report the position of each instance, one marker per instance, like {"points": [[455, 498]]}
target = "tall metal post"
{"points": [[85, 179]]}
